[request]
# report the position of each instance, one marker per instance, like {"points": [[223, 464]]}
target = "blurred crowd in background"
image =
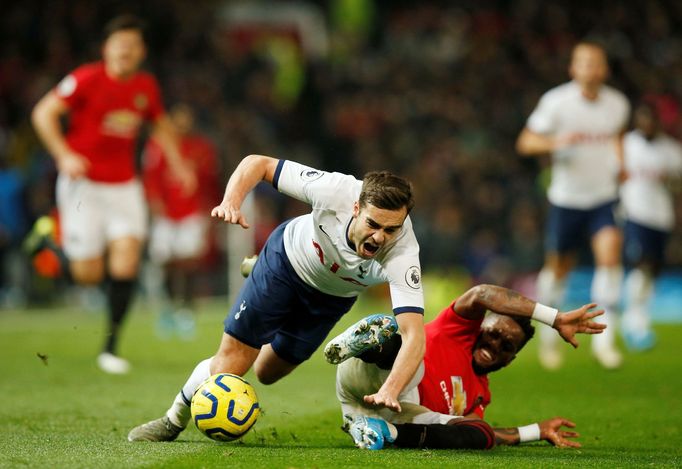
{"points": [[435, 91]]}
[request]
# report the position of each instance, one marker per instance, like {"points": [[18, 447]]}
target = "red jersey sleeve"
{"points": [[74, 86]]}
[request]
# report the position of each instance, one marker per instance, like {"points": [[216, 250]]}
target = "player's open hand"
{"points": [[383, 399], [230, 213], [578, 321], [552, 432], [73, 164]]}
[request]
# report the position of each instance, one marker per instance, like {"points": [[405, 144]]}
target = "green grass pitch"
{"points": [[61, 411]]}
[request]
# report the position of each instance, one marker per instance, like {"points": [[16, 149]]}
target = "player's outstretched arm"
{"points": [[411, 353], [474, 303], [550, 430], [250, 171]]}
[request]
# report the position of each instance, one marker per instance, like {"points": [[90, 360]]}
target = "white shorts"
{"points": [[92, 214], [356, 379], [178, 239]]}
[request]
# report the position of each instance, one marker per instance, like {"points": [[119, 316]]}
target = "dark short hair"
{"points": [[527, 328], [123, 23], [387, 191]]}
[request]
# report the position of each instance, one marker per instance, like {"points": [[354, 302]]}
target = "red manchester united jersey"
{"points": [[162, 186], [450, 385], [105, 118]]}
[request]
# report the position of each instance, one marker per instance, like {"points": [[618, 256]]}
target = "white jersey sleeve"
{"points": [[308, 184], [543, 119]]}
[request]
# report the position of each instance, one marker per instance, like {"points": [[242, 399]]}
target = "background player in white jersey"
{"points": [[652, 159], [308, 275], [580, 123]]}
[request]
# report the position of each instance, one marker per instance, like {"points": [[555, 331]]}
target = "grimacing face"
{"points": [[497, 344], [123, 52], [589, 66], [373, 228]]}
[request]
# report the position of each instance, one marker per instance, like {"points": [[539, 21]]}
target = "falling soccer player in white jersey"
{"points": [[653, 160], [308, 276], [580, 124]]}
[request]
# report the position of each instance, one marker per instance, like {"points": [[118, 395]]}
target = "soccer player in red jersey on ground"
{"points": [[179, 234], [463, 345], [100, 200]]}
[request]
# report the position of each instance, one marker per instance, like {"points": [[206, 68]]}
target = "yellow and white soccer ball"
{"points": [[225, 407]]}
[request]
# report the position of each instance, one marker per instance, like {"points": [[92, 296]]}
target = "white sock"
{"points": [[638, 291], [179, 413], [550, 292], [392, 430], [606, 288]]}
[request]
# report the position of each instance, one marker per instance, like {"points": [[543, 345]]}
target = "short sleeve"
{"points": [[311, 185], [542, 120], [404, 274], [72, 87]]}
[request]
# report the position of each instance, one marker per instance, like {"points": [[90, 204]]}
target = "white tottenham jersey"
{"points": [[584, 175], [645, 199], [317, 246]]}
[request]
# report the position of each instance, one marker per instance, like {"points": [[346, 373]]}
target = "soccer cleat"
{"points": [[370, 433], [365, 334], [110, 363], [161, 429], [42, 232], [608, 357], [639, 341]]}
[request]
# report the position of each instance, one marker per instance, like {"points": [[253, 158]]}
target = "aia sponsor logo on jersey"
{"points": [[413, 277], [121, 123]]}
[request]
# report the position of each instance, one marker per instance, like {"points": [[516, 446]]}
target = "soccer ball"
{"points": [[225, 407]]}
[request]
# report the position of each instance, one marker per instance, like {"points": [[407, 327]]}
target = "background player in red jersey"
{"points": [[463, 345], [101, 203], [179, 235]]}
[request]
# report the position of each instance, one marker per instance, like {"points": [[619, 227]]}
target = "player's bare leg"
{"points": [[551, 286], [269, 367], [606, 287]]}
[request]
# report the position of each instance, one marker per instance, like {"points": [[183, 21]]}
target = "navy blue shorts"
{"points": [[276, 307], [643, 244], [569, 229]]}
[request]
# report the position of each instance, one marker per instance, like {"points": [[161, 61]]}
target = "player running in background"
{"points": [[652, 160], [100, 200], [309, 274], [463, 345], [580, 124], [179, 234]]}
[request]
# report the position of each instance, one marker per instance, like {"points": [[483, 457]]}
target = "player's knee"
{"points": [[267, 376]]}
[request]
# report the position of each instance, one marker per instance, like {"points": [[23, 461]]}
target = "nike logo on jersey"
{"points": [[322, 229]]}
